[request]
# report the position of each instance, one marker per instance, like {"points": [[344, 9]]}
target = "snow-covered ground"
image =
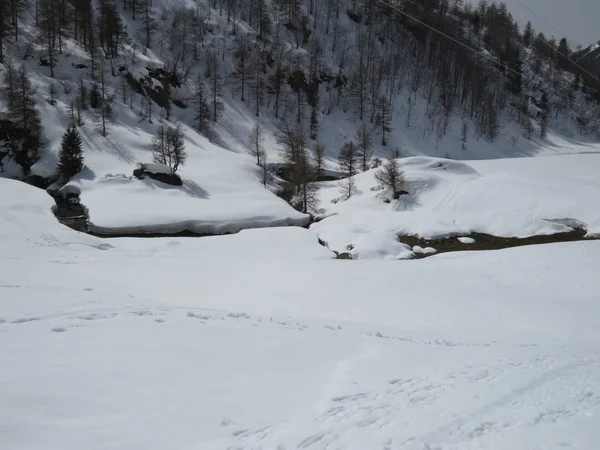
{"points": [[221, 192], [517, 197], [261, 340]]}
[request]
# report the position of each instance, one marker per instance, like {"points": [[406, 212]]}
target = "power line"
{"points": [[468, 47], [478, 52], [551, 46], [540, 17]]}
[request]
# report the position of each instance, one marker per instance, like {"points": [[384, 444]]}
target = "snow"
{"points": [[10, 169], [379, 245], [69, 189], [261, 340], [157, 168], [222, 190], [517, 197], [424, 251], [466, 240], [27, 225]]}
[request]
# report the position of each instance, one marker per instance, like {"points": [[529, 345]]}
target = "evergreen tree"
{"points": [[364, 141], [256, 79], [528, 35], [348, 161], [216, 85], [70, 155], [111, 29], [306, 199], [241, 58], [564, 53], [383, 118], [515, 76], [255, 142], [202, 117], [319, 160], [24, 144], [464, 136], [144, 9]]}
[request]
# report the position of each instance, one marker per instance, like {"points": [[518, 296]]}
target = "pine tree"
{"points": [[48, 29], [319, 160], [313, 101], [515, 76], [306, 199], [144, 9], [70, 155], [364, 142], [276, 82], [348, 161], [216, 86], [111, 28], [241, 57], [528, 35], [544, 125], [202, 117], [383, 118], [255, 142], [545, 115], [464, 135], [166, 98], [256, 78], [95, 96], [18, 95]]}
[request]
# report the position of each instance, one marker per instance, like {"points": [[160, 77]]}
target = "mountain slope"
{"points": [[324, 69]]}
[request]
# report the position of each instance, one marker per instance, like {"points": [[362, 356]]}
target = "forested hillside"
{"points": [[438, 77]]}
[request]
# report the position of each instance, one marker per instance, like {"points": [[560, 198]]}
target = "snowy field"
{"points": [[261, 340], [221, 192], [516, 197]]}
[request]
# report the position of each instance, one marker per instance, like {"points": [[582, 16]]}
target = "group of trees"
{"points": [[22, 136]]}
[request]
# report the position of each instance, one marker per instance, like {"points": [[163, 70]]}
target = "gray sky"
{"points": [[579, 20]]}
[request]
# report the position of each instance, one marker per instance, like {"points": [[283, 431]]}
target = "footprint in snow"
{"points": [[24, 319]]}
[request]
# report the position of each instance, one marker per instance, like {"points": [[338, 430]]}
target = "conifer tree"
{"points": [[383, 118], [255, 142], [364, 142], [319, 160], [70, 155], [18, 95], [348, 161], [202, 117], [216, 86]]}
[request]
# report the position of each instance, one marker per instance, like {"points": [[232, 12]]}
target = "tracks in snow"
{"points": [[468, 406]]}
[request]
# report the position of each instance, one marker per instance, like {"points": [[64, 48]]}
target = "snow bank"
{"points": [[379, 245], [221, 191], [27, 223], [508, 198], [261, 341]]}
